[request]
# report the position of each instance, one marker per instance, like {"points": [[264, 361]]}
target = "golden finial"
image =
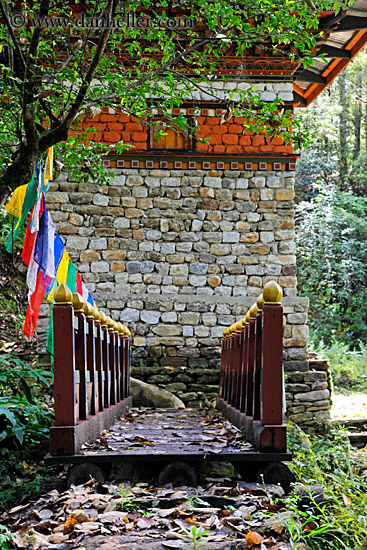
{"points": [[88, 310], [272, 293], [260, 302], [253, 311], [128, 333], [247, 316], [63, 295], [78, 302], [121, 328], [109, 322], [95, 313], [225, 333], [238, 327], [244, 322], [103, 319]]}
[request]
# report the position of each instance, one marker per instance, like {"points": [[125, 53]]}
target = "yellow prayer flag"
{"points": [[15, 205], [50, 297], [49, 165], [62, 271]]}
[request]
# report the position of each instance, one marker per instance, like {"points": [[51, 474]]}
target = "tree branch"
{"points": [[12, 34]]}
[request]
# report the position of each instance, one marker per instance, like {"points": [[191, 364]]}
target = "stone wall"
{"points": [[178, 255]]}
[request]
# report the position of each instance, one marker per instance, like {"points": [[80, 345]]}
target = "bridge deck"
{"points": [[170, 434]]}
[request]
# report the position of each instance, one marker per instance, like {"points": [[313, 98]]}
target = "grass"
{"points": [[330, 461], [348, 365]]}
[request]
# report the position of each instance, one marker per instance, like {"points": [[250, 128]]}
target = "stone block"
{"points": [[167, 330], [197, 280], [150, 317], [198, 268], [317, 395], [77, 243], [297, 318], [130, 315]]}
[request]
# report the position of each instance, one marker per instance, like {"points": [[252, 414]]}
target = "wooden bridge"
{"points": [[92, 356]]}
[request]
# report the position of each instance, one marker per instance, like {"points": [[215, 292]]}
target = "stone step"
{"points": [[358, 439], [351, 422]]}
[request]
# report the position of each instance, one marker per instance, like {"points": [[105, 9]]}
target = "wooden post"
{"points": [[122, 360], [112, 361], [258, 359], [99, 360], [251, 362], [237, 364], [81, 354], [222, 362], [244, 363], [106, 363], [227, 381], [128, 366], [272, 372], [91, 358], [118, 363], [64, 358]]}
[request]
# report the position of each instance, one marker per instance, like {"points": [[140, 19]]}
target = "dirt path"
{"points": [[349, 406]]}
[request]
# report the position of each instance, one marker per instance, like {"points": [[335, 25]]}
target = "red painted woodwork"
{"points": [[251, 379], [91, 378]]}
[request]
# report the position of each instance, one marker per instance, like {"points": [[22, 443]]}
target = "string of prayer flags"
{"points": [[44, 252]]}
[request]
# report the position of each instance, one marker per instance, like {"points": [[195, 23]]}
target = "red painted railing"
{"points": [[92, 357], [251, 376]]}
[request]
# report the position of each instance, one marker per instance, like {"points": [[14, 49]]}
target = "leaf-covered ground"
{"points": [[118, 516]]}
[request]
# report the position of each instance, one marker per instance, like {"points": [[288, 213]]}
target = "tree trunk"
{"points": [[358, 117], [343, 163], [19, 172]]}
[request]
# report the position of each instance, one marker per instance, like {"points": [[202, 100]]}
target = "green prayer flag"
{"points": [[29, 200], [50, 334], [71, 277]]}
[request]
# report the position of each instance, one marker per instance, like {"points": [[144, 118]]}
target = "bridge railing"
{"points": [[92, 358], [251, 375]]}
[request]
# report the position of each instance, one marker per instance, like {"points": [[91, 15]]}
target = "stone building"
{"points": [[183, 241]]}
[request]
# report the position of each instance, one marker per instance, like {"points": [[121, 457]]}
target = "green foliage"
{"points": [[137, 68], [196, 536], [24, 424], [329, 460], [6, 224], [24, 419], [331, 240], [348, 366], [6, 538]]}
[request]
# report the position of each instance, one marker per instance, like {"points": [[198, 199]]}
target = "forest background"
{"points": [[331, 224]]}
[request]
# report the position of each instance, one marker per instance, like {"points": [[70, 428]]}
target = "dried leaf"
{"points": [[253, 539], [146, 523], [69, 526], [143, 441], [80, 516]]}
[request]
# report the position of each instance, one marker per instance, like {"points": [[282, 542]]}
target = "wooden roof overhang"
{"points": [[345, 36]]}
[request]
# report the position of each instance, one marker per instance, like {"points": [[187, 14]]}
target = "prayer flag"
{"points": [[15, 204], [79, 284], [49, 166], [71, 278], [29, 199], [34, 305], [62, 271]]}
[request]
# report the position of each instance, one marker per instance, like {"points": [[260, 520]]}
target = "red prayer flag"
{"points": [[79, 284], [28, 241], [34, 306]]}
